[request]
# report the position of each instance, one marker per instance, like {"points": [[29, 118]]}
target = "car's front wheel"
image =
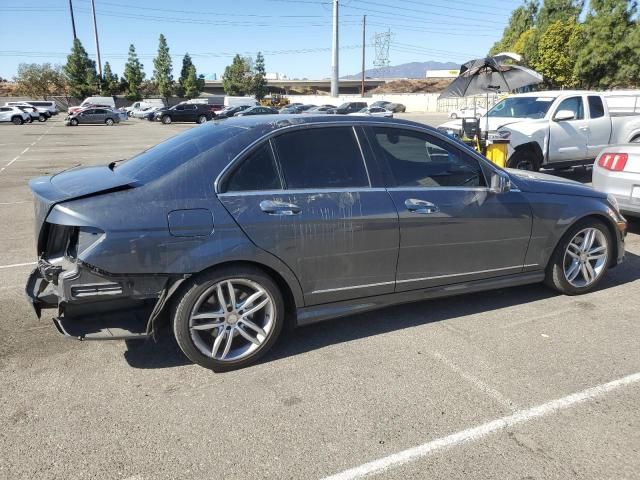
{"points": [[581, 258], [228, 318], [43, 118], [453, 116], [166, 119], [73, 122]]}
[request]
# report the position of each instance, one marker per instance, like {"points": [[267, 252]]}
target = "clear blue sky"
{"points": [[294, 35]]}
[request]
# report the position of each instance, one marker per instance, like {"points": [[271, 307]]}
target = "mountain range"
{"points": [[405, 70]]}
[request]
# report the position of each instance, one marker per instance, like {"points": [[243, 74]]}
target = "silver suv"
{"points": [[14, 115]]}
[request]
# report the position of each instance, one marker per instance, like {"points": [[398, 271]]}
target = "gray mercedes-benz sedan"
{"points": [[233, 229]]}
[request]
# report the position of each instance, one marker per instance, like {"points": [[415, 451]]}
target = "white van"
{"points": [[236, 101], [43, 106], [94, 101], [144, 104]]}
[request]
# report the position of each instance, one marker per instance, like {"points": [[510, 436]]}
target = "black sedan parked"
{"points": [[185, 112], [257, 110], [231, 230]]}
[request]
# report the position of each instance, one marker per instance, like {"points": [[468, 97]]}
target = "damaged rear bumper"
{"points": [[94, 305]]}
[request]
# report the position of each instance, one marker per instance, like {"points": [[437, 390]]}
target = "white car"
{"points": [[468, 112], [374, 112], [616, 171], [13, 115], [42, 111], [143, 113]]}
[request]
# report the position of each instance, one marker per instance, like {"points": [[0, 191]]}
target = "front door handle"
{"points": [[416, 205], [275, 207]]}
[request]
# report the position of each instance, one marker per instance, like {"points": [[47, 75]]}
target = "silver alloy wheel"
{"points": [[232, 319], [202, 119], [585, 257]]}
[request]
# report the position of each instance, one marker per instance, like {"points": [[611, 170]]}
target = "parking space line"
{"points": [[15, 203], [18, 265], [475, 433], [476, 382], [25, 150]]}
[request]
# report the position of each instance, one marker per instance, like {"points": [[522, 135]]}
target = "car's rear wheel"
{"points": [[108, 122], [524, 160], [228, 318], [166, 119], [581, 258], [202, 119], [42, 118], [17, 120], [73, 122], [29, 120], [453, 116]]}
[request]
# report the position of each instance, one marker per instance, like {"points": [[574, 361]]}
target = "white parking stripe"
{"points": [[18, 265], [26, 149], [15, 203], [475, 433], [476, 382]]}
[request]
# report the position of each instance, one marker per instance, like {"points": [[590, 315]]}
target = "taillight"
{"points": [[613, 161]]}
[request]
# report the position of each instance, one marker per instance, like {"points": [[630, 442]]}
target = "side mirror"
{"points": [[500, 182], [564, 115]]}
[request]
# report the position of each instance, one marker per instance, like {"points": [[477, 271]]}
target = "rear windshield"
{"points": [[171, 154], [522, 107]]}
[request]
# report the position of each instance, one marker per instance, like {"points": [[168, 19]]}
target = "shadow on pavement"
{"points": [[165, 353]]}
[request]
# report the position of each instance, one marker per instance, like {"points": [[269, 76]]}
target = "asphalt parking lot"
{"points": [[514, 383]]}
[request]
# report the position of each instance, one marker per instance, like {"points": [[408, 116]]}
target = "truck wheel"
{"points": [[228, 318], [17, 120], [524, 160], [581, 258]]}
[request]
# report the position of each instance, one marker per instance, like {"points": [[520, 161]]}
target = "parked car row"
{"points": [[27, 112]]}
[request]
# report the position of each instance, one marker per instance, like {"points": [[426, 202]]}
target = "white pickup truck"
{"points": [[557, 129]]}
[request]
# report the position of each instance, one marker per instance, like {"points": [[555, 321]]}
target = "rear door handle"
{"points": [[423, 207], [275, 207]]}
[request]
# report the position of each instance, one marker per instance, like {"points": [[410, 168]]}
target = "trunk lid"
{"points": [[72, 184]]}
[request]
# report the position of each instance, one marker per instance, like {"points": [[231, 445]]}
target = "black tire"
{"points": [[73, 122], [17, 120], [42, 118], [194, 288], [555, 272], [524, 160], [29, 120], [201, 119], [166, 119], [109, 122], [636, 139], [453, 116]]}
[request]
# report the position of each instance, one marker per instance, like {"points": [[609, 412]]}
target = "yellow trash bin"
{"points": [[497, 151]]}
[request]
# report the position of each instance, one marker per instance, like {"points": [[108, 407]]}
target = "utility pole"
{"points": [[364, 34], [334, 60], [95, 33], [73, 21]]}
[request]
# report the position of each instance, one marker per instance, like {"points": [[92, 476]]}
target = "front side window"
{"points": [[321, 158], [256, 172], [573, 104], [417, 159]]}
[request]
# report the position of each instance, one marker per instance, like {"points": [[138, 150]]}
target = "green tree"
{"points": [[133, 76], [522, 19], [609, 56], [527, 46], [190, 84], [109, 85], [162, 68], [557, 53], [80, 71], [237, 77], [187, 63], [553, 11], [259, 80], [40, 80]]}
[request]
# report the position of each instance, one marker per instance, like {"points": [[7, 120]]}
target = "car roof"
{"points": [[279, 120], [556, 93]]}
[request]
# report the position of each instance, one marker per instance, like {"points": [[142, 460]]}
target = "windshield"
{"points": [[522, 107], [343, 106], [171, 154]]}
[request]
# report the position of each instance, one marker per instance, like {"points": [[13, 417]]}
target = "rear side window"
{"points": [[596, 108], [256, 172], [321, 158], [417, 159]]}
